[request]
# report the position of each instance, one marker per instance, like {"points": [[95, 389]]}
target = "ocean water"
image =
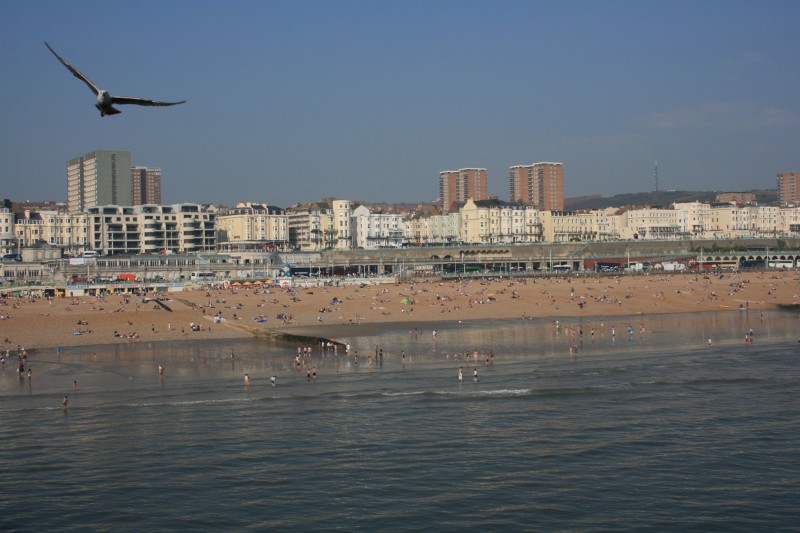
{"points": [[654, 430]]}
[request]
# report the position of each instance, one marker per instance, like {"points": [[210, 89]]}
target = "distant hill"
{"points": [[655, 199]]}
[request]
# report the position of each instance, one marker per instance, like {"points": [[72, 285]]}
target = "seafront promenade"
{"points": [[410, 262]]}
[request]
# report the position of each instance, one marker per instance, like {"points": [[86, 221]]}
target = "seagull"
{"points": [[105, 102]]}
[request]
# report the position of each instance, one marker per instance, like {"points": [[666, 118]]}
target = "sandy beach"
{"points": [[39, 323]]}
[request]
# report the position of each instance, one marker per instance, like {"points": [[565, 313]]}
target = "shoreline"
{"points": [[338, 312]]}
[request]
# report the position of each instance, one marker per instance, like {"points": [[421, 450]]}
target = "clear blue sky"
{"points": [[370, 100]]}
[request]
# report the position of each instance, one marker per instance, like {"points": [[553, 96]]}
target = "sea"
{"points": [[687, 422]]}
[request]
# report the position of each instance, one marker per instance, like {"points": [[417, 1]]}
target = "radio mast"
{"points": [[655, 176]]}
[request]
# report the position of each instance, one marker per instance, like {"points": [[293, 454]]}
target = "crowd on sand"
{"points": [[37, 322]]}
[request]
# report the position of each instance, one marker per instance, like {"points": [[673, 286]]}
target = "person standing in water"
{"points": [[460, 374], [65, 401]]}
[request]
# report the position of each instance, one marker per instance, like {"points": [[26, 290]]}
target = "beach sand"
{"points": [[332, 311]]}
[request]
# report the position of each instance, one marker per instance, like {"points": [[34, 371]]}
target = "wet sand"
{"points": [[354, 310]]}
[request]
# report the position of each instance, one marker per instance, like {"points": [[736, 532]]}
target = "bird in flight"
{"points": [[105, 102]]}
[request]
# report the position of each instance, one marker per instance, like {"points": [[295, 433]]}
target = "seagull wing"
{"points": [[142, 101], [77, 73]]}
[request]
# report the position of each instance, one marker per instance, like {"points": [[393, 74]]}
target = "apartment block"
{"points": [[789, 188], [539, 184], [179, 228], [102, 177], [145, 186], [461, 185]]}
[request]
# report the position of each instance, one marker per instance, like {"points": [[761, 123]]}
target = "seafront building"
{"points": [[654, 224], [732, 221], [178, 228], [334, 225], [320, 226], [789, 222], [698, 217], [421, 229], [568, 226], [253, 225], [495, 221], [789, 188], [342, 211], [539, 184], [55, 228], [311, 227], [145, 186], [461, 185], [8, 241], [372, 230], [102, 177]]}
